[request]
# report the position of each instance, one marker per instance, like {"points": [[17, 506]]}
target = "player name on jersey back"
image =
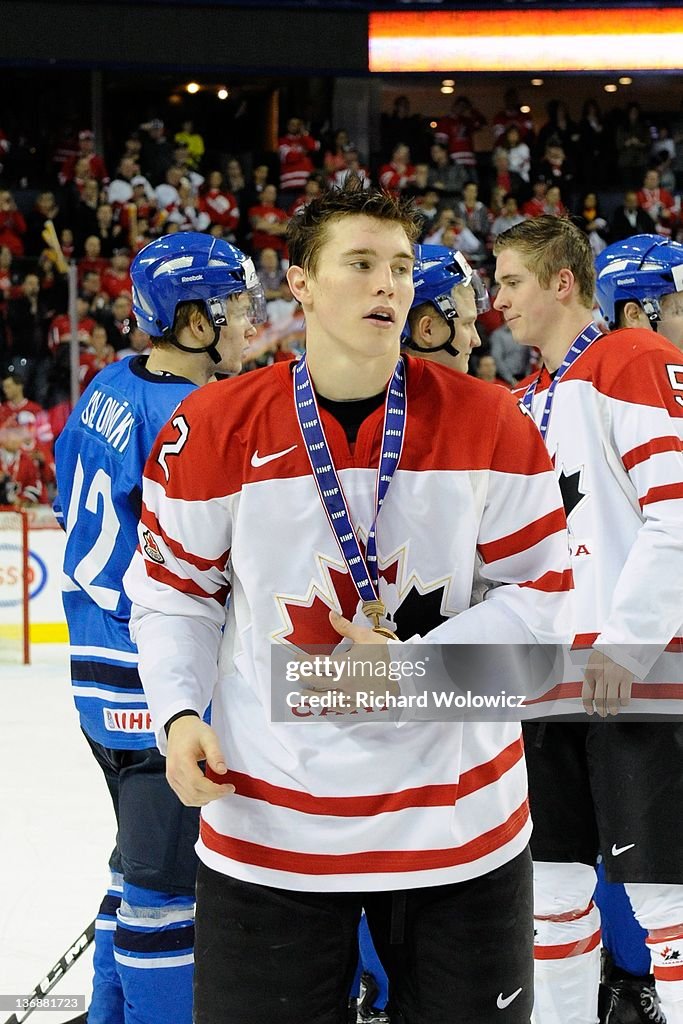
{"points": [[110, 418]]}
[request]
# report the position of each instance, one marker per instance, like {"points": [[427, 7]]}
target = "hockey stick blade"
{"points": [[67, 960]]}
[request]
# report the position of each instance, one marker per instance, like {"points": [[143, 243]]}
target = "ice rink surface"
{"points": [[57, 827]]}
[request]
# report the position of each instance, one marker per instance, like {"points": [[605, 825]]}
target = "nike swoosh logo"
{"points": [[617, 850], [502, 1003], [261, 460]]}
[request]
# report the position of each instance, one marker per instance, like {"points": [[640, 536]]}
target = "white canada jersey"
{"points": [[614, 436], [230, 503]]}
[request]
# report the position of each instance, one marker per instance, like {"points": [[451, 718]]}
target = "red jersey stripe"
{"points": [[164, 575], [585, 640], [367, 861], [664, 493], [668, 973], [639, 691], [377, 803], [642, 452], [149, 520], [552, 582], [525, 538], [566, 949]]}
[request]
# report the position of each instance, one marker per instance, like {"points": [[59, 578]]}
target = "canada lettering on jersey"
{"points": [[110, 418]]}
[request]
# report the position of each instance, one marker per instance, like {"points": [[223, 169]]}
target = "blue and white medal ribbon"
{"points": [[586, 338], [364, 570]]}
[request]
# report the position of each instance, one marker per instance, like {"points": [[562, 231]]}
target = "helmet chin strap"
{"points": [[211, 350], [449, 315], [217, 318]]}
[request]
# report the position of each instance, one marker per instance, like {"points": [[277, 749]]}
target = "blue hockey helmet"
{"points": [[642, 269], [189, 266], [437, 270]]}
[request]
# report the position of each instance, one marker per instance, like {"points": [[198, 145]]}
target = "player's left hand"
{"points": [[606, 686]]}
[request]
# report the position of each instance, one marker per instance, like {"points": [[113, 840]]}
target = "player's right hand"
{"points": [[191, 740]]}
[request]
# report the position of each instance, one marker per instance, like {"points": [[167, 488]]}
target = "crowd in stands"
{"points": [[101, 213]]}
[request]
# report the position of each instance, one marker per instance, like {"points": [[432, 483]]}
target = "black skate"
{"points": [[368, 1013], [626, 999]]}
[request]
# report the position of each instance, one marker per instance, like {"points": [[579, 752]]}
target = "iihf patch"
{"points": [[151, 548]]}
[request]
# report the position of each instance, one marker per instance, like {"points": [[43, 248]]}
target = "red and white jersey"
{"points": [[230, 504], [615, 439], [221, 207], [456, 133], [20, 476], [20, 414], [395, 177], [295, 160]]}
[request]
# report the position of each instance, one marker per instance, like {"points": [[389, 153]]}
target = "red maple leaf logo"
{"points": [[308, 625]]}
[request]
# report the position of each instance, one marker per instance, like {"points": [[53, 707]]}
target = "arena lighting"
{"points": [[448, 81], [537, 81], [192, 87], [526, 109], [610, 87], [447, 89], [526, 40], [626, 80], [222, 94]]}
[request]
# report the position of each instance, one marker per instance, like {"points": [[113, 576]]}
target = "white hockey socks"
{"points": [[566, 944], [659, 909]]}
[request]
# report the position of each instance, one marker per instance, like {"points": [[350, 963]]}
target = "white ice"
{"points": [[57, 830]]}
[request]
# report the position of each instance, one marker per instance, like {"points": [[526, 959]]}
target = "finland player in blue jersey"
{"points": [[449, 296], [198, 297]]}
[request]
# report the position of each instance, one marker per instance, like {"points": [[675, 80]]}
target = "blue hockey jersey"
{"points": [[100, 456]]}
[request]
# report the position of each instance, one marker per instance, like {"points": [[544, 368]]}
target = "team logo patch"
{"points": [[151, 548]]}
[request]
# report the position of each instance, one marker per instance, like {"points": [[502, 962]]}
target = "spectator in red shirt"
{"points": [[12, 224], [94, 165], [60, 328], [94, 356], [20, 483], [268, 223], [553, 202], [535, 206], [658, 203], [220, 205], [17, 410], [116, 278], [456, 131], [399, 173], [295, 148]]}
